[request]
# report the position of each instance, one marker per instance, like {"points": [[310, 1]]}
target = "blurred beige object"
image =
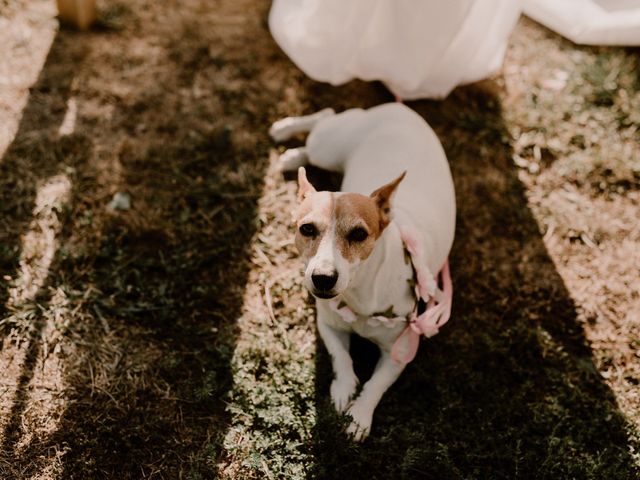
{"points": [[79, 13]]}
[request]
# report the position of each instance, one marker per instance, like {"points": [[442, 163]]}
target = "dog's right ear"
{"points": [[304, 186], [382, 197]]}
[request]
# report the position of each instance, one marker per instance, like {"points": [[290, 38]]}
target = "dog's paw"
{"points": [[361, 418], [292, 159], [283, 129], [342, 389]]}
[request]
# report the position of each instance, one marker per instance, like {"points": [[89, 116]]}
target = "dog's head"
{"points": [[336, 232]]}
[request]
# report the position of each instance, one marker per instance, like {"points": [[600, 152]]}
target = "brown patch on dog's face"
{"points": [[313, 221], [358, 225]]}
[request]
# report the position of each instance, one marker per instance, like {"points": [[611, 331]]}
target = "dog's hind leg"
{"points": [[292, 159], [333, 139], [286, 128]]}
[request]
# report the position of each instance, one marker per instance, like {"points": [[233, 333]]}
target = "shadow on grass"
{"points": [[36, 154], [154, 291], [509, 388]]}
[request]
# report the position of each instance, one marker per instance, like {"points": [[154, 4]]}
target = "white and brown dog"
{"points": [[354, 242]]}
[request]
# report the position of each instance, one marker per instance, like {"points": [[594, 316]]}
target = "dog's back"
{"points": [[372, 147]]}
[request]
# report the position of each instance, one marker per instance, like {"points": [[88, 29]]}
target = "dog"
{"points": [[397, 195]]}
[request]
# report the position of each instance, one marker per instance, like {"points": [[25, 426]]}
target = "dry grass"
{"points": [[584, 188], [173, 339]]}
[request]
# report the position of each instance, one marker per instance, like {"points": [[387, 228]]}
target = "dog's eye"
{"points": [[358, 234], [308, 230]]}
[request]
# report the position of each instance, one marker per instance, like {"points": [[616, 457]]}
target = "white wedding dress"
{"points": [[418, 48], [590, 22]]}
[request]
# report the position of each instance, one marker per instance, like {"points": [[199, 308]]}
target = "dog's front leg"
{"points": [[361, 412], [337, 341]]}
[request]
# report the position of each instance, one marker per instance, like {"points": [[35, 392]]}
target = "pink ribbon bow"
{"points": [[437, 313]]}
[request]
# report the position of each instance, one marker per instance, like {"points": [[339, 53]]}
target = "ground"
{"points": [[173, 339]]}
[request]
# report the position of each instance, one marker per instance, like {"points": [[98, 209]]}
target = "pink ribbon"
{"points": [[437, 313]]}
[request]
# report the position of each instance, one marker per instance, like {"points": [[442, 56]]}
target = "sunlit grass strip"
{"points": [[33, 372], [39, 244], [272, 403]]}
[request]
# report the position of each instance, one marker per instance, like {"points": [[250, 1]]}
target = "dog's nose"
{"points": [[324, 282]]}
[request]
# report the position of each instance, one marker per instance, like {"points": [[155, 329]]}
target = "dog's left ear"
{"points": [[304, 186], [382, 197]]}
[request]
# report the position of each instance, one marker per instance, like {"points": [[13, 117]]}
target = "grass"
{"points": [[174, 339]]}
